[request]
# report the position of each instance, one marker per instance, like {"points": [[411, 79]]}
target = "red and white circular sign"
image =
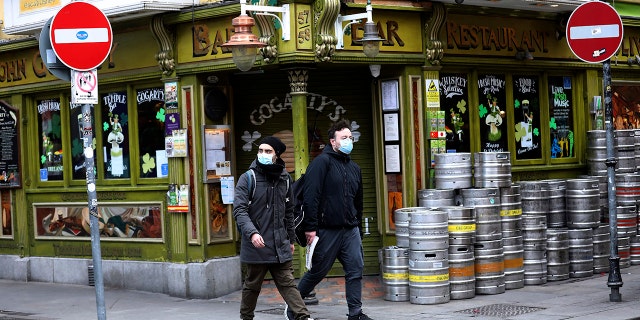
{"points": [[594, 31], [81, 36], [86, 81]]}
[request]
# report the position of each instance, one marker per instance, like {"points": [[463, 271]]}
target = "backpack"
{"points": [[298, 212]]}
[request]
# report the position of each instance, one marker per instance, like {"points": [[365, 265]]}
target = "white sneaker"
{"points": [[289, 315]]}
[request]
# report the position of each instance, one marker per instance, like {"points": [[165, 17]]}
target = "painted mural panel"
{"points": [[491, 93], [133, 221], [526, 117], [561, 117], [50, 133], [454, 99], [115, 135]]}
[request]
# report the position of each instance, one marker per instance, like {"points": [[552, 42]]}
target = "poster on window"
{"points": [[9, 147], [50, 133], [561, 117], [526, 117], [115, 135], [151, 117], [625, 103], [492, 98], [454, 99]]}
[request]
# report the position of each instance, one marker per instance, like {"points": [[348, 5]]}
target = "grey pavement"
{"points": [[576, 298]]}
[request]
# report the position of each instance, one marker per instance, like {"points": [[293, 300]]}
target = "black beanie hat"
{"points": [[276, 144]]}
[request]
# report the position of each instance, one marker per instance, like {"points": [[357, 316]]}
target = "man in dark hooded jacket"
{"points": [[333, 211], [264, 216]]}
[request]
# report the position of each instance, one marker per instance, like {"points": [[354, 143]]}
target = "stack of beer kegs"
{"points": [[535, 206], [558, 263]]}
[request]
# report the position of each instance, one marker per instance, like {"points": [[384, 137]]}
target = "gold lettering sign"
{"points": [[470, 36], [35, 5]]}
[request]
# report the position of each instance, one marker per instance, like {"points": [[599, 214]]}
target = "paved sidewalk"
{"points": [[576, 299]]}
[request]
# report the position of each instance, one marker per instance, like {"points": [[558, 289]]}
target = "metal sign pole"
{"points": [[615, 280], [87, 130]]}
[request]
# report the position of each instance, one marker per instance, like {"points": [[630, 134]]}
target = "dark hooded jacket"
{"points": [[332, 192], [270, 214]]}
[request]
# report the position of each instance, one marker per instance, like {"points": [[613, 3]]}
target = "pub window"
{"points": [[50, 144], [77, 142], [561, 117], [625, 104], [491, 109], [115, 135], [454, 101], [151, 143], [526, 117], [514, 111]]}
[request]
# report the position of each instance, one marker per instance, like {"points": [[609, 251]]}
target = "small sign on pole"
{"points": [[84, 87]]}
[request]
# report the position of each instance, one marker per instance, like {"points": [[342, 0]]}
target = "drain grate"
{"points": [[273, 311], [500, 310], [16, 315]]}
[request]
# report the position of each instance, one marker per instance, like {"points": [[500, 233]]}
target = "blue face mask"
{"points": [[346, 145], [265, 159]]}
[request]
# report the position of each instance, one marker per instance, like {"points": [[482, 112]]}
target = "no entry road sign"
{"points": [[81, 36], [594, 31]]}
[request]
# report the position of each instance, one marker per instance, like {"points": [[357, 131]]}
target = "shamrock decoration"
{"points": [[520, 131], [482, 110], [148, 163], [76, 148], [462, 106], [160, 114], [249, 138]]}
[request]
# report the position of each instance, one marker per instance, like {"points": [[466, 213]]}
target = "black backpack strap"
{"points": [[251, 177]]}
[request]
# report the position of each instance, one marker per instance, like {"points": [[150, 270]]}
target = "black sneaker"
{"points": [[360, 316], [288, 313], [310, 300]]}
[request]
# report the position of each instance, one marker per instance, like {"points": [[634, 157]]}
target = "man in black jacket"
{"points": [[264, 216], [333, 211]]}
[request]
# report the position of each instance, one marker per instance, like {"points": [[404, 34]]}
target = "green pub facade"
{"points": [[177, 123]]}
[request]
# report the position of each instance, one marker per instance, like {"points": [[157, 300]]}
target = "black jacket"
{"points": [[270, 214], [332, 192]]}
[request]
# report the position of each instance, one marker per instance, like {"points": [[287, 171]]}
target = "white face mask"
{"points": [[346, 146], [265, 159]]}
